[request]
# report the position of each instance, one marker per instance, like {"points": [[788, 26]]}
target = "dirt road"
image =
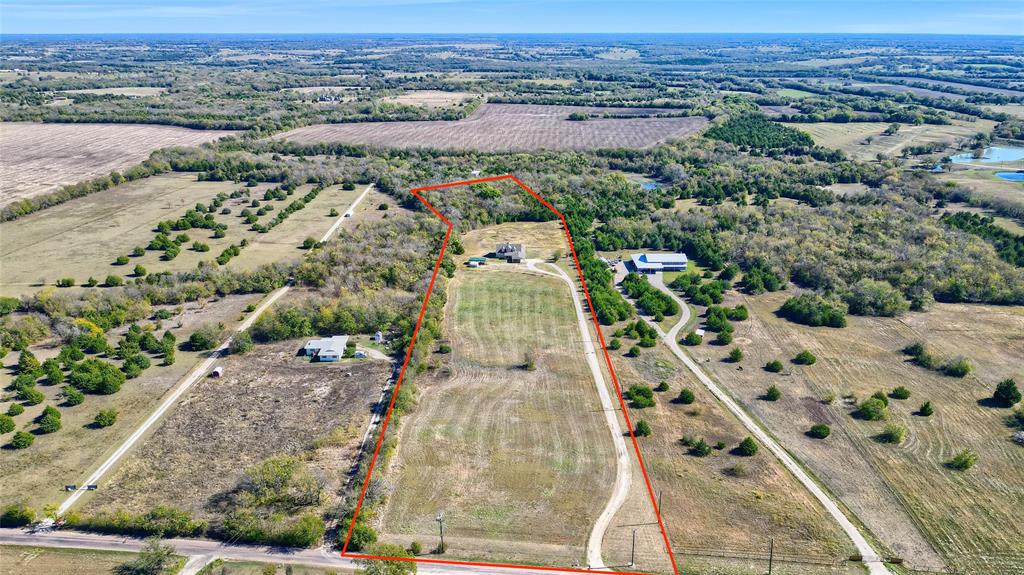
{"points": [[193, 376], [871, 557], [623, 473]]}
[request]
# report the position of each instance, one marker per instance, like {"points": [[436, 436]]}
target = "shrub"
{"points": [[1006, 393], [92, 282], [31, 396], [105, 418], [700, 448], [900, 393], [444, 348], [634, 351], [121, 260], [15, 409], [813, 310], [719, 445], [113, 281], [872, 409], [881, 397], [308, 243], [736, 355], [615, 343], [241, 343], [205, 338], [805, 358], [49, 423], [773, 394], [72, 396], [774, 366], [6, 424], [643, 429], [66, 282], [692, 339], [415, 548], [737, 470], [877, 298], [723, 338], [663, 386], [362, 537], [747, 447], [138, 251], [21, 440], [28, 364], [926, 409], [686, 396], [893, 434], [641, 395], [963, 461], [17, 515], [958, 367], [382, 207], [820, 431], [96, 376]]}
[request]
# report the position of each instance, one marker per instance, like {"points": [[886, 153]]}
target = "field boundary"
{"points": [[417, 193]]}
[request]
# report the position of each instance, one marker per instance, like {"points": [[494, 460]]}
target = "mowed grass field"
{"points": [[39, 158], [849, 136], [19, 560], [519, 460], [82, 238], [37, 475], [268, 402], [508, 127], [932, 516], [542, 239]]}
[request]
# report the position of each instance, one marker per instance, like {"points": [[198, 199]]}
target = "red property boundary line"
{"points": [[401, 376]]}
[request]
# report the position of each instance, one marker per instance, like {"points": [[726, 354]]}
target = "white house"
{"points": [[653, 263], [326, 349]]}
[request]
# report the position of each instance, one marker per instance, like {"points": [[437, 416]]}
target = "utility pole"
{"points": [[632, 551], [771, 554], [440, 526], [659, 501]]}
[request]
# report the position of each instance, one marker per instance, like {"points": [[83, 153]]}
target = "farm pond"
{"points": [[992, 155]]}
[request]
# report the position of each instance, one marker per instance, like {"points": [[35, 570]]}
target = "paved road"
{"points": [[191, 378], [623, 471], [202, 550], [871, 557]]}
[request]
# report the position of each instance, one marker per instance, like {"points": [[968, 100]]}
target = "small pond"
{"points": [[993, 155], [1011, 176]]}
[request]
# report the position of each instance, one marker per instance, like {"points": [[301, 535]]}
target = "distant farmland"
{"points": [[511, 127], [39, 158]]}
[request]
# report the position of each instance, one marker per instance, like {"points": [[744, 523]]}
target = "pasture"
{"points": [[722, 505], [268, 402], [850, 137], [508, 127], [932, 516], [430, 98], [22, 560], [39, 158], [508, 438], [82, 238], [36, 475], [136, 92]]}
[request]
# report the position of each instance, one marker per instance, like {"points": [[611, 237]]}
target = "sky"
{"points": [[512, 16]]}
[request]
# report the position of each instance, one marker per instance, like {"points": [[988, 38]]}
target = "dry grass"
{"points": [[1015, 110], [19, 560], [430, 98], [918, 508], [268, 402], [37, 475], [985, 184], [542, 239], [139, 91], [519, 460], [505, 127], [705, 509], [256, 568], [82, 237], [38, 158], [849, 136]]}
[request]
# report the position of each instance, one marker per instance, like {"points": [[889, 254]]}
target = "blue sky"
{"points": [[509, 16]]}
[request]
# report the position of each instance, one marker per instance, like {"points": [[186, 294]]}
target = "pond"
{"points": [[1011, 176], [993, 155], [649, 186]]}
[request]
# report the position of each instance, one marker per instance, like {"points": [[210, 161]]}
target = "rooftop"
{"points": [[658, 261]]}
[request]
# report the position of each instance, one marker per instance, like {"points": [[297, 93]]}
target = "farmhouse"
{"points": [[326, 349], [653, 263], [512, 253]]}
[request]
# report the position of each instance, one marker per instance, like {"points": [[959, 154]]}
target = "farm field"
{"points": [[430, 98], [81, 238], [793, 94], [849, 136], [508, 127], [1015, 110], [932, 516], [522, 474], [40, 158], [268, 402], [36, 475], [19, 560]]}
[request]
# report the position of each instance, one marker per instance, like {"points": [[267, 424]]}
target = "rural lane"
{"points": [[193, 376], [623, 471], [202, 551], [871, 558]]}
